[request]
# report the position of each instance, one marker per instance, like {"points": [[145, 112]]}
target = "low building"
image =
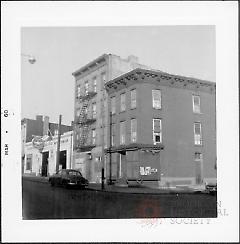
{"points": [[43, 162], [40, 126], [163, 129]]}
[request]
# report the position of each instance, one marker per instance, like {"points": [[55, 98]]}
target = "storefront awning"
{"points": [[136, 146]]}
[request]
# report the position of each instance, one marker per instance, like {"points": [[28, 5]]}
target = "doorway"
{"points": [[63, 159], [45, 156]]}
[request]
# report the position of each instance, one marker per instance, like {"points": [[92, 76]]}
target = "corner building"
{"points": [[91, 111], [163, 129]]}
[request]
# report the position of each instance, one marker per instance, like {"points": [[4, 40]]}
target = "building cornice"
{"points": [[91, 65], [140, 75]]}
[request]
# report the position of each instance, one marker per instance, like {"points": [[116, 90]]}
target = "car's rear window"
{"points": [[74, 173]]}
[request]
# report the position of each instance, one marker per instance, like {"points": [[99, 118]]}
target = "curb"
{"points": [[151, 191]]}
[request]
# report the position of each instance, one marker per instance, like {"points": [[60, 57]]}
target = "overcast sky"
{"points": [[48, 85]]}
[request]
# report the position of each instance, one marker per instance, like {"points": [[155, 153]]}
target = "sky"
{"points": [[47, 86]]}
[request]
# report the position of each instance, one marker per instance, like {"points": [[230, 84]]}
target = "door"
{"points": [[63, 159], [45, 156], [198, 172]]}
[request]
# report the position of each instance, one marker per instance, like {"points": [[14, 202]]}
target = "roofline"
{"points": [[89, 64], [157, 72]]}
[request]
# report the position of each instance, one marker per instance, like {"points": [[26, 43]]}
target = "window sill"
{"points": [[157, 108], [197, 112], [198, 145]]}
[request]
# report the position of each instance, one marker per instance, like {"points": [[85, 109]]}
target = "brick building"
{"points": [[90, 111], [163, 128]]}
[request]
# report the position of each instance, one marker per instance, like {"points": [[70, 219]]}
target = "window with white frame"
{"points": [[156, 99], [198, 156], [93, 136], [196, 103], [86, 87], [133, 130], [122, 132], [157, 131], [133, 99], [78, 91], [122, 102], [113, 105], [94, 110], [103, 80], [197, 133], [95, 84], [113, 132]]}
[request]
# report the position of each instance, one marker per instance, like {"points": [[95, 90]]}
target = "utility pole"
{"points": [[58, 143], [110, 153]]}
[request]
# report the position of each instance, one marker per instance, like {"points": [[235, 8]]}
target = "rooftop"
{"points": [[159, 76]]}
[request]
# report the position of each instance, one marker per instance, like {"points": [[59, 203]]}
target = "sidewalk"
{"points": [[119, 189]]}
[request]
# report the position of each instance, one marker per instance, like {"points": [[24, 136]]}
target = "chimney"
{"points": [[39, 117], [45, 125], [132, 59]]}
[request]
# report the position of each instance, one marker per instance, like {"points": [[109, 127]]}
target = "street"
{"points": [[41, 201]]}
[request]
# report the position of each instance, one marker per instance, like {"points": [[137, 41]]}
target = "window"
{"points": [[113, 105], [157, 131], [86, 87], [29, 162], [103, 80], [198, 156], [133, 99], [95, 84], [55, 132], [196, 103], [78, 112], [197, 133], [156, 99], [93, 136], [133, 130], [123, 102], [78, 91], [122, 132], [113, 134], [94, 110]]}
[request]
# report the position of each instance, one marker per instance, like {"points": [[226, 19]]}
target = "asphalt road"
{"points": [[41, 201]]}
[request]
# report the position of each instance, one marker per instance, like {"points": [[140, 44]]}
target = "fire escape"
{"points": [[84, 121]]}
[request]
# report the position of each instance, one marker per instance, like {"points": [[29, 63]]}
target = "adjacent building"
{"points": [[163, 129], [43, 162], [91, 111], [41, 126]]}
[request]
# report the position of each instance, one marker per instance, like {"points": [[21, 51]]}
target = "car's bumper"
{"points": [[73, 183]]}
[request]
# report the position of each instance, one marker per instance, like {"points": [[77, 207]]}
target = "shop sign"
{"points": [[147, 170]]}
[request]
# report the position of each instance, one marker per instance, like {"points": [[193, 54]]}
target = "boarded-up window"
{"points": [[123, 102], [133, 99]]}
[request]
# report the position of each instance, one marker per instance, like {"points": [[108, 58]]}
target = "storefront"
{"points": [[43, 162], [135, 163]]}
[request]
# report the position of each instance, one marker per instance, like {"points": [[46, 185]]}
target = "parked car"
{"points": [[211, 188], [68, 177]]}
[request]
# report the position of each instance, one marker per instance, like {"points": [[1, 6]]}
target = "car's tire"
{"points": [[64, 184], [52, 183]]}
